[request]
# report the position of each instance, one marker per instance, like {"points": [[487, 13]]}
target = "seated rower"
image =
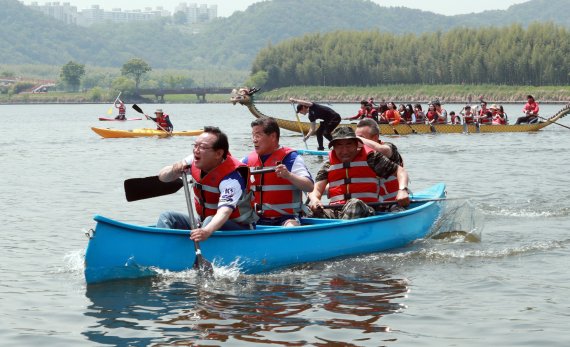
{"points": [[530, 110], [278, 195], [351, 173]]}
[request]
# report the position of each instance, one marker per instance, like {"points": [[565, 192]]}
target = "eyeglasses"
{"points": [[201, 148]]}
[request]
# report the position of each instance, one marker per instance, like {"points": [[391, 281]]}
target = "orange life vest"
{"points": [[275, 195], [352, 180], [207, 191]]}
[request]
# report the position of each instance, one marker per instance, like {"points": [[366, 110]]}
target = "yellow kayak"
{"points": [[143, 132]]}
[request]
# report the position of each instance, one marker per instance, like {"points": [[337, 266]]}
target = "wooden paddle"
{"points": [[413, 130], [201, 264], [152, 187], [300, 126], [139, 110], [393, 128], [550, 121]]}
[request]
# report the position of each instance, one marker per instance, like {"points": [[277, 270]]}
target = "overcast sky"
{"points": [[227, 7]]}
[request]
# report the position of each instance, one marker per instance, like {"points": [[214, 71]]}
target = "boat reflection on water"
{"points": [[295, 307]]}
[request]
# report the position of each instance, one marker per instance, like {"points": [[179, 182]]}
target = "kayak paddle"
{"points": [[152, 186], [201, 264]]}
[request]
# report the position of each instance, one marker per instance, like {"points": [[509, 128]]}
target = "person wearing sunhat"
{"points": [[162, 121], [499, 117], [351, 173]]}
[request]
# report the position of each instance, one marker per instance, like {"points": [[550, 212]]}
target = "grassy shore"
{"points": [[397, 93]]}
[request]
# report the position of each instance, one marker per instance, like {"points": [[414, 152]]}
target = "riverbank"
{"points": [[396, 93]]}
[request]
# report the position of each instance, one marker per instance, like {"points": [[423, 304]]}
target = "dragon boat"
{"points": [[246, 98]]}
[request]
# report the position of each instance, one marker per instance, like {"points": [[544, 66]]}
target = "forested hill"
{"points": [[537, 55], [28, 37]]}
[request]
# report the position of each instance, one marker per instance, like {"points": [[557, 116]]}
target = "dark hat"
{"points": [[343, 133]]}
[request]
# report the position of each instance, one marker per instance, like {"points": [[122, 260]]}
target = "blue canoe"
{"points": [[119, 250]]}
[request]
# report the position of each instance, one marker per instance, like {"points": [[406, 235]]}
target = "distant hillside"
{"points": [[28, 37]]}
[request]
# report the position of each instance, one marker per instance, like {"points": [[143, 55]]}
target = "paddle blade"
{"points": [[203, 266], [110, 110], [149, 187], [137, 108]]}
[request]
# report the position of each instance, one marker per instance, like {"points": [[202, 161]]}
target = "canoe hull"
{"points": [[143, 132], [119, 250]]}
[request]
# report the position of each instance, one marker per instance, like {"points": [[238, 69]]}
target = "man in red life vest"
{"points": [[162, 121], [369, 133], [530, 110], [279, 194], [222, 194], [352, 173], [122, 109]]}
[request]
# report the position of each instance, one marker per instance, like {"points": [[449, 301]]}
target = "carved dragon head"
{"points": [[243, 96]]}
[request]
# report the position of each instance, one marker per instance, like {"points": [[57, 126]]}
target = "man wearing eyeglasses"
{"points": [[222, 194]]}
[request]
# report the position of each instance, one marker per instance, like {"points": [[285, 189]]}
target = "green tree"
{"points": [[71, 74], [135, 67]]}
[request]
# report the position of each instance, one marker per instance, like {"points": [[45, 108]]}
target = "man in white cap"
{"points": [[162, 121]]}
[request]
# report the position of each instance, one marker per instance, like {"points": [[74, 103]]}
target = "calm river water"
{"points": [[510, 289]]}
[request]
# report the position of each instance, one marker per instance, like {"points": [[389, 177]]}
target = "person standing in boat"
{"points": [[530, 110], [222, 194], [162, 121], [351, 173], [369, 134], [279, 194], [330, 119], [122, 109]]}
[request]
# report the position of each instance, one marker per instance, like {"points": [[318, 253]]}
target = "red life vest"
{"points": [[498, 120], [122, 109], [488, 118], [275, 195], [431, 115], [352, 180], [207, 191], [469, 118], [420, 117], [161, 122]]}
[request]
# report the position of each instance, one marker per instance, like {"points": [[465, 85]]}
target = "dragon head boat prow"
{"points": [[243, 96]]}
